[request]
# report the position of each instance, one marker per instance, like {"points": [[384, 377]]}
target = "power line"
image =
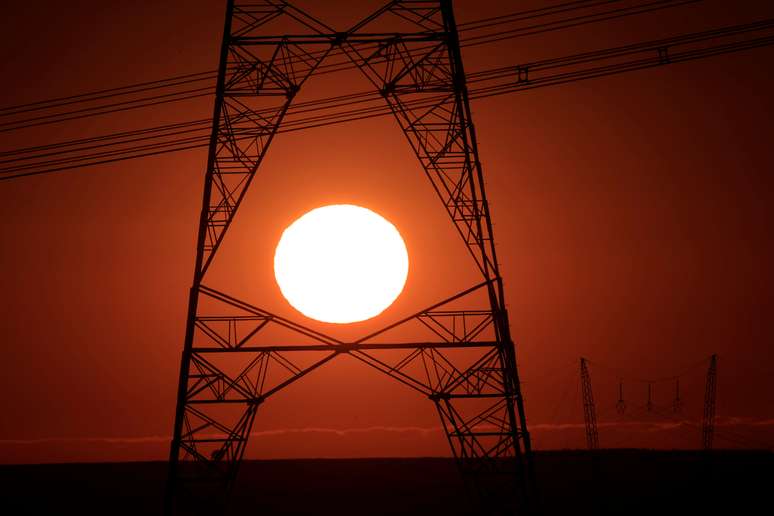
{"points": [[100, 110], [106, 137], [578, 21], [108, 93], [211, 74], [323, 69], [494, 82]]}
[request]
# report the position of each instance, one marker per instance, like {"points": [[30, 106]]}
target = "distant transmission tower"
{"points": [[410, 53], [710, 391], [620, 405], [677, 403], [649, 403], [589, 410]]}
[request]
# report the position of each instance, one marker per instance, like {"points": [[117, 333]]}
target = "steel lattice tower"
{"points": [[226, 375], [589, 409], [710, 393]]}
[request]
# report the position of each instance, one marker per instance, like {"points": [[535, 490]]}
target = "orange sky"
{"points": [[632, 216]]}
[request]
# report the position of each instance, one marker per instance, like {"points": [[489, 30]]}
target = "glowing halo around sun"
{"points": [[341, 264]]}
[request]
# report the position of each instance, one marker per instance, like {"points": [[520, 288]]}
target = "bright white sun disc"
{"points": [[341, 264]]}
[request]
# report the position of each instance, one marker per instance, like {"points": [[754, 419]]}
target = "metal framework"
{"points": [[589, 409], [649, 403], [677, 403], [409, 51], [620, 405], [710, 391]]}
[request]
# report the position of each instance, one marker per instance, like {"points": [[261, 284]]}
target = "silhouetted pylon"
{"points": [[677, 403], [589, 410], [649, 403], [620, 405], [409, 51], [710, 392]]}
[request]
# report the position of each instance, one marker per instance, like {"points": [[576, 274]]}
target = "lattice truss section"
{"points": [[232, 371], [465, 364], [261, 80], [228, 378], [467, 372], [411, 71]]}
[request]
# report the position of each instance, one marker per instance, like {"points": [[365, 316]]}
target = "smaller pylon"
{"points": [[677, 404], [649, 404], [589, 410], [620, 405], [710, 391]]}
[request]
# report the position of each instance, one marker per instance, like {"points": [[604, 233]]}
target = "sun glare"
{"points": [[341, 264]]}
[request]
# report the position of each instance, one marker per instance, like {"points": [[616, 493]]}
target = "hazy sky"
{"points": [[632, 216]]}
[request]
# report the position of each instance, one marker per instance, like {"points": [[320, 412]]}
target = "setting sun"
{"points": [[341, 264]]}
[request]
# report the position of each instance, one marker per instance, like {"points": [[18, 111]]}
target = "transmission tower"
{"points": [[620, 405], [649, 403], [410, 53], [708, 423], [677, 403], [589, 410]]}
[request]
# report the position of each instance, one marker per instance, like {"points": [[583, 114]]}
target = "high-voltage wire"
{"points": [[210, 75], [307, 122], [346, 64], [317, 113]]}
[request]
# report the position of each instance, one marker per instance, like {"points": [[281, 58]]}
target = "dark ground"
{"points": [[622, 482]]}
